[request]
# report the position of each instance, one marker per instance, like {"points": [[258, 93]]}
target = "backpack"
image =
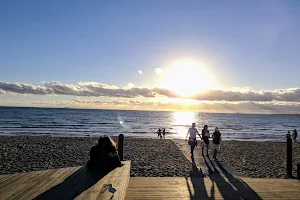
{"points": [[216, 137]]}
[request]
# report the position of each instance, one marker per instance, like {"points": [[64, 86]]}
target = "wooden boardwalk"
{"points": [[65, 183], [211, 180], [173, 188], [79, 183]]}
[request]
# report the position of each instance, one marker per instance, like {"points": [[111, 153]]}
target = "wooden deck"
{"points": [[80, 183], [65, 183], [173, 188]]}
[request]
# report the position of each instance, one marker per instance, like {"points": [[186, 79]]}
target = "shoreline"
{"points": [[150, 157], [142, 137]]}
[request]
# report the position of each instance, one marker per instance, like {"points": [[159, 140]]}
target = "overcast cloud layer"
{"points": [[94, 89]]}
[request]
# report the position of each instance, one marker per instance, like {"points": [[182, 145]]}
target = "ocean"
{"points": [[85, 122]]}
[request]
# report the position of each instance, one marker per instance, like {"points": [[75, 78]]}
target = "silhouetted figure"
{"points": [[205, 138], [164, 133], [104, 155], [216, 142], [295, 135], [192, 139], [159, 133]]}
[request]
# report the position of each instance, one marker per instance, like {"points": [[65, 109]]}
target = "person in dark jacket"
{"points": [[294, 135], [216, 142], [164, 133], [205, 138], [104, 155]]}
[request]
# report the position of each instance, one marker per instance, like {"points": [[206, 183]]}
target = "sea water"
{"points": [[87, 122]]}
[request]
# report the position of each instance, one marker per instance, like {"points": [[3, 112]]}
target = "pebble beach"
{"points": [[149, 157]]}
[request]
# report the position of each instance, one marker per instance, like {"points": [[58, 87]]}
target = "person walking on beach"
{"points": [[164, 133], [192, 139], [295, 135], [216, 142], [205, 138], [159, 133]]}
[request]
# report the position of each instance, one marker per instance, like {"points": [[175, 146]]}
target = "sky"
{"points": [[206, 56]]}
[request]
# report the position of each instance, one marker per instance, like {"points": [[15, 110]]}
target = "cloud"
{"points": [[22, 88], [81, 89], [95, 89], [159, 71], [242, 94], [140, 71], [166, 92]]}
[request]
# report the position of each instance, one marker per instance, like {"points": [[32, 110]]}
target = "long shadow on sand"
{"points": [[74, 185], [234, 188], [197, 179]]}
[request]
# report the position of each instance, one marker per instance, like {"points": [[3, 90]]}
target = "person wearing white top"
{"points": [[192, 139]]}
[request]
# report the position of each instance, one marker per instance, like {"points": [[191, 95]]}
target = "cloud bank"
{"points": [[81, 89], [95, 89], [241, 94]]}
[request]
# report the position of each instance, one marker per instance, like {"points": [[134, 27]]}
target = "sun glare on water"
{"points": [[186, 77], [182, 121]]}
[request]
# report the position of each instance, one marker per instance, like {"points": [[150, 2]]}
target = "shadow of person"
{"points": [[74, 185], [225, 189], [235, 188], [196, 184]]}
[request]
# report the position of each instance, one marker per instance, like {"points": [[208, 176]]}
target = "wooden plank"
{"points": [[51, 181], [8, 176], [23, 183], [27, 192], [11, 180], [92, 192], [118, 178], [122, 183], [119, 181], [53, 191], [3, 177], [17, 185], [66, 182], [10, 184], [29, 184], [113, 179], [75, 183], [182, 188]]}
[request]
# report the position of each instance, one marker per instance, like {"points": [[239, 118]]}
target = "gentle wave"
{"points": [[76, 122]]}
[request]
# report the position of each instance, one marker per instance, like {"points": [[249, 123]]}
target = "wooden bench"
{"points": [[66, 183]]}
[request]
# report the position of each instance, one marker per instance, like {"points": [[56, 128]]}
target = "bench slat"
{"points": [[118, 178]]}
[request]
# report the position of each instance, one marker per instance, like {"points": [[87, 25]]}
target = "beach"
{"points": [[263, 159], [149, 157]]}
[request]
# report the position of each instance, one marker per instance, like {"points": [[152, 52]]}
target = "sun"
{"points": [[186, 77]]}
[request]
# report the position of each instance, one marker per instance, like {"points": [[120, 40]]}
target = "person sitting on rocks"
{"points": [[104, 155]]}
